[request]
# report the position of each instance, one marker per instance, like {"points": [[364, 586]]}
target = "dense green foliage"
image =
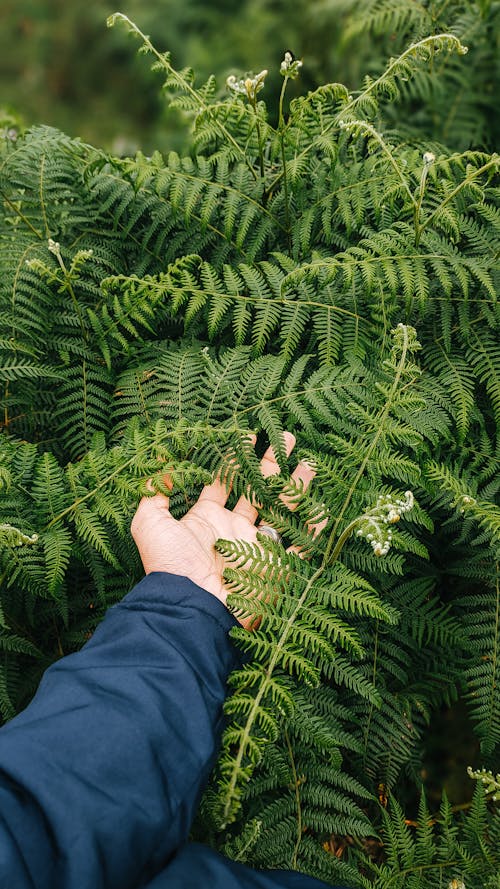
{"points": [[324, 274]]}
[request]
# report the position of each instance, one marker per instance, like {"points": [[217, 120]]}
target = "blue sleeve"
{"points": [[100, 776], [196, 866]]}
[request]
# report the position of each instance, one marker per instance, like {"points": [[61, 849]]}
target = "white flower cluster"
{"points": [[490, 781], [466, 501], [428, 158], [54, 247], [374, 524], [247, 86], [14, 537], [290, 67]]}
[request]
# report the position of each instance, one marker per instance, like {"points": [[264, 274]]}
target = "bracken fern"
{"points": [[333, 275]]}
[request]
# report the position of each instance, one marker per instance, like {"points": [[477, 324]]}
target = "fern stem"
{"points": [[163, 62], [281, 131], [42, 202], [333, 262], [180, 174], [369, 451], [195, 216], [374, 676], [296, 784], [387, 74], [345, 534], [121, 468], [85, 402], [102, 484], [231, 787], [494, 656], [372, 132], [281, 398], [69, 287], [417, 206], [494, 162], [418, 868], [237, 764], [256, 300], [21, 215], [259, 137]]}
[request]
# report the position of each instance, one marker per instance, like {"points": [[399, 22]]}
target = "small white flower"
{"points": [[428, 158], [375, 523], [247, 86], [290, 67]]}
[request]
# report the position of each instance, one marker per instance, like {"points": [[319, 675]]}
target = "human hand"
{"points": [[187, 546]]}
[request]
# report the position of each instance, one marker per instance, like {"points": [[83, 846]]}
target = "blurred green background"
{"points": [[60, 65]]}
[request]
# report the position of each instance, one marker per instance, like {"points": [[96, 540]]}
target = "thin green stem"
{"points": [[281, 131], [494, 655], [257, 300], [373, 444], [259, 137], [231, 788], [417, 209], [343, 537], [387, 74], [296, 785], [366, 732], [494, 162], [419, 868], [331, 547], [21, 215], [373, 134], [69, 287], [223, 186], [42, 202], [164, 63], [122, 468]]}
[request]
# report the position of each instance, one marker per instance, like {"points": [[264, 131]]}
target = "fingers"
{"points": [[302, 477], [268, 466], [161, 499], [219, 490], [147, 508], [149, 505], [316, 528]]}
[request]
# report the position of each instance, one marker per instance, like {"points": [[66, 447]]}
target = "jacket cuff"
{"points": [[160, 587]]}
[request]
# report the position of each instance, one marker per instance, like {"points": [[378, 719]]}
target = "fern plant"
{"points": [[451, 104], [328, 275], [440, 850]]}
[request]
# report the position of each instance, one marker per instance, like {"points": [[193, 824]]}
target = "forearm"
{"points": [[110, 757]]}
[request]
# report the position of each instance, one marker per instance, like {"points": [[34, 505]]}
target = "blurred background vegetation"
{"points": [[60, 65]]}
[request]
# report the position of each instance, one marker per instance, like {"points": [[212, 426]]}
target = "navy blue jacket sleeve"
{"points": [[196, 866], [101, 775]]}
